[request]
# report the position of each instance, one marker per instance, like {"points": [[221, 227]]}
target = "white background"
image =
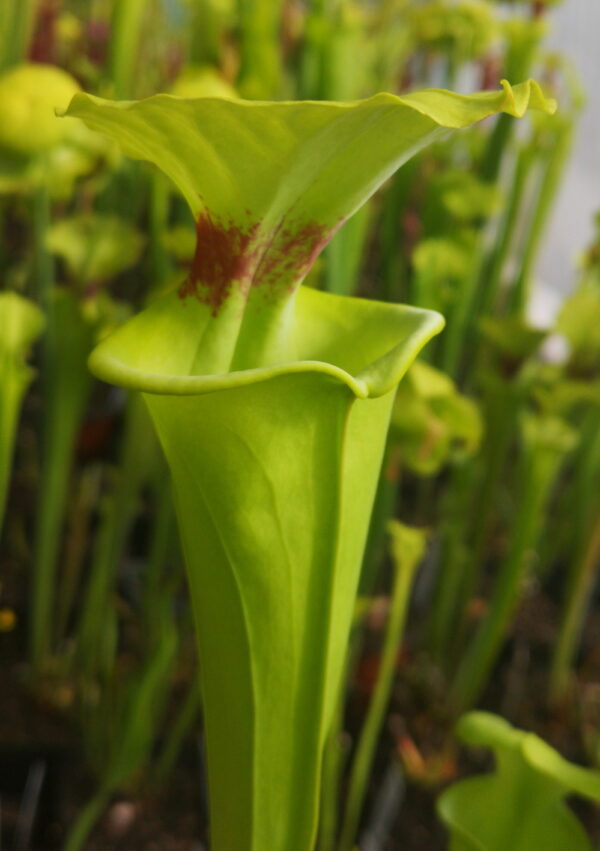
{"points": [[576, 33]]}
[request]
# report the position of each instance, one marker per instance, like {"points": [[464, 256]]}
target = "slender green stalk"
{"points": [[130, 749], [491, 278], [16, 25], [550, 179], [458, 321], [523, 44], [494, 153], [126, 33], [545, 443], [43, 264], [260, 72], [335, 752], [395, 205], [85, 501], [586, 570], [159, 576], [383, 510], [188, 715], [10, 405], [207, 30], [504, 404], [408, 546], [86, 820], [452, 568], [20, 323], [311, 77], [522, 49], [137, 455], [66, 382], [336, 749], [585, 565]]}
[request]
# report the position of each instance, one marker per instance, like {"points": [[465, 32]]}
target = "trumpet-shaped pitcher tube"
{"points": [[272, 405]]}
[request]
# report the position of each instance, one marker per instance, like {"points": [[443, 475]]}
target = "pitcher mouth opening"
{"points": [[366, 345]]}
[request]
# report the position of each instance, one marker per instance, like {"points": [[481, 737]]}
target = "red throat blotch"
{"points": [[231, 253]]}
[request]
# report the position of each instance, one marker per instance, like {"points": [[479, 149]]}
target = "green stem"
{"points": [[67, 384], [333, 762], [586, 570], [336, 751], [12, 394], [16, 26], [86, 820], [549, 185], [585, 564], [162, 544], [383, 510], [458, 322], [311, 75], [120, 507], [505, 399], [207, 32], [539, 466], [494, 152], [451, 573], [55, 451], [20, 323], [490, 281], [395, 203], [521, 52], [43, 264], [187, 715], [406, 562], [260, 72], [85, 502], [126, 32]]}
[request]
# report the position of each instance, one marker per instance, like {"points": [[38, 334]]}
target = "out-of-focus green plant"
{"points": [[125, 723], [73, 327], [545, 442], [431, 421], [95, 248], [461, 31], [38, 153], [408, 547], [16, 25], [579, 322], [29, 95], [295, 389], [21, 323], [521, 804], [579, 390]]}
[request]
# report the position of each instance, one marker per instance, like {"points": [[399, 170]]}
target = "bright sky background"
{"points": [[576, 32]]}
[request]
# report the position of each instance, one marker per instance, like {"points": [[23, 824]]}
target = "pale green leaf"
{"points": [[95, 248], [21, 322], [521, 805]]}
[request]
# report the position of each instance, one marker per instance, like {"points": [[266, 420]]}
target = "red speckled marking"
{"points": [[228, 254], [223, 255], [293, 252]]}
